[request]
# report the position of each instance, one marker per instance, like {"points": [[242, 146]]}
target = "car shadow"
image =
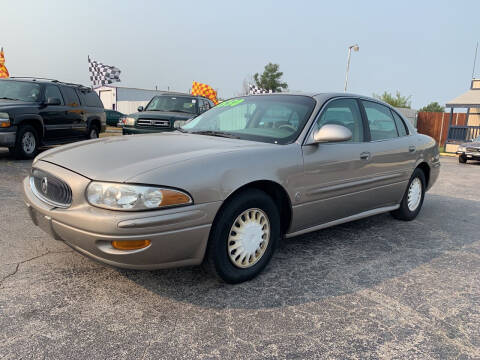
{"points": [[330, 262]]}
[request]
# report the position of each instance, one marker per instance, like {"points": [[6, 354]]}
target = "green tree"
{"points": [[271, 78], [397, 101], [433, 107]]}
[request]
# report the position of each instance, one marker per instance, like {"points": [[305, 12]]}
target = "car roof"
{"points": [[324, 96], [31, 79]]}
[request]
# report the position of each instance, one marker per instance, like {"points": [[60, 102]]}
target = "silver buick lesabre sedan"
{"points": [[226, 187]]}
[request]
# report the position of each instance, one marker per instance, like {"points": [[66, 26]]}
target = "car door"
{"points": [[392, 150], [335, 174], [54, 116], [74, 119]]}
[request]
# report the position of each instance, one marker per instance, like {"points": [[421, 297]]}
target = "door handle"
{"points": [[412, 148], [365, 155]]}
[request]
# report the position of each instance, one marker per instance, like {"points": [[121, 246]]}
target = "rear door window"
{"points": [[402, 128], [70, 95], [380, 120]]}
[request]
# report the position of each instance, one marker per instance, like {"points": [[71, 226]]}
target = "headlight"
{"points": [[134, 197], [4, 120], [179, 123], [128, 121], [462, 148]]}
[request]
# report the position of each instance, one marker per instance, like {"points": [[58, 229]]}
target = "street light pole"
{"points": [[355, 48]]}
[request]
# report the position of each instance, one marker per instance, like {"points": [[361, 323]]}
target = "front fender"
{"points": [[22, 118]]}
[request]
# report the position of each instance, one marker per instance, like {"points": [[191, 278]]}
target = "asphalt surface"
{"points": [[374, 288]]}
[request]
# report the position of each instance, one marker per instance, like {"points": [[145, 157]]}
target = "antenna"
{"points": [[474, 62]]}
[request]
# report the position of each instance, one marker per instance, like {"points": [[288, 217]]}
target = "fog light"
{"points": [[130, 244]]}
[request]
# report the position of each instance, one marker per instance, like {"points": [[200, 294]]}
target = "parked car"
{"points": [[36, 112], [469, 151], [113, 117], [165, 112], [225, 187]]}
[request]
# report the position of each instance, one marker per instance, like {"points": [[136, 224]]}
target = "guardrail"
{"points": [[460, 134]]}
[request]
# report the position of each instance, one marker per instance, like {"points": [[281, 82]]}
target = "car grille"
{"points": [[153, 123], [50, 189], [470, 149]]}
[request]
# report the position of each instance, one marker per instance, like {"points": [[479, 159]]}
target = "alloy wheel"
{"points": [[28, 142], [93, 134]]}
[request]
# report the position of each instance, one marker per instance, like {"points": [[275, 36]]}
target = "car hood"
{"points": [[475, 144], [5, 104], [121, 158], [164, 115]]}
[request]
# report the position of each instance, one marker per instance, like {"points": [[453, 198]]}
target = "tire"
{"points": [[462, 159], [93, 132], [408, 212], [261, 221], [26, 144]]}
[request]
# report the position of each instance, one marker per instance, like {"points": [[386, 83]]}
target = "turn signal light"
{"points": [[174, 198], [130, 244], [4, 123]]}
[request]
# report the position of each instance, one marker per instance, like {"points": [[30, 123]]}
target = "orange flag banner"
{"points": [[199, 89], [3, 70]]}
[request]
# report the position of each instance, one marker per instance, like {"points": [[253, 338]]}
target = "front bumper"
{"points": [[469, 155], [7, 138], [178, 236]]}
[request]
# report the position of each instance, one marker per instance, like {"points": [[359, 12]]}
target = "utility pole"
{"points": [[474, 62]]}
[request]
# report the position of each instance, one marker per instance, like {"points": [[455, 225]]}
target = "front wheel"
{"points": [[462, 159], [413, 198], [26, 145], [243, 237]]}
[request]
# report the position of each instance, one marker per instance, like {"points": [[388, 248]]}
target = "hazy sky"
{"points": [[421, 48]]}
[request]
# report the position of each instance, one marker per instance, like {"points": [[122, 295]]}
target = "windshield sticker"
{"points": [[231, 103]]}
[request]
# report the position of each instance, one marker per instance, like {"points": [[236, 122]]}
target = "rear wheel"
{"points": [[462, 159], [93, 132], [413, 198], [26, 145], [243, 237]]}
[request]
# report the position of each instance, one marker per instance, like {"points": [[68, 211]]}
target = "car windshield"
{"points": [[277, 119], [19, 90], [173, 103]]}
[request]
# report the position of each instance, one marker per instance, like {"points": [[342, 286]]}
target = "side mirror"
{"points": [[331, 133], [53, 101], [140, 108]]}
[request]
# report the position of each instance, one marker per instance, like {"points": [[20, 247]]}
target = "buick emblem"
{"points": [[44, 185]]}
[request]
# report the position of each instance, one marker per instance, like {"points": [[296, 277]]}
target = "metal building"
{"points": [[124, 99]]}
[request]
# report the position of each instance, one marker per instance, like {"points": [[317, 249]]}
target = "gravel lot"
{"points": [[374, 288]]}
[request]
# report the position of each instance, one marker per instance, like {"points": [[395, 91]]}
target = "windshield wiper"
{"points": [[215, 133], [7, 98], [180, 111]]}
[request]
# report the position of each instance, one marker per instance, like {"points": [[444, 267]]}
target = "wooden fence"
{"points": [[435, 124]]}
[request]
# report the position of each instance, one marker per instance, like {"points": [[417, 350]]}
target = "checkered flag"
{"points": [[254, 89], [101, 74]]}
